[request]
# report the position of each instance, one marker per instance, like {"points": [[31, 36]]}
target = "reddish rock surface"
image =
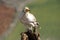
{"points": [[6, 17]]}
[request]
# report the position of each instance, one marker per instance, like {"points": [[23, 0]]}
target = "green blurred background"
{"points": [[47, 13]]}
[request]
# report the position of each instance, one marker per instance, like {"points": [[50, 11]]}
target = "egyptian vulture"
{"points": [[28, 19]]}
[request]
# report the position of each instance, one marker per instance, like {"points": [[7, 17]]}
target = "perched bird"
{"points": [[28, 19]]}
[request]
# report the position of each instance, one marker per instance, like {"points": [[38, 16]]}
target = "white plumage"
{"points": [[28, 19]]}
